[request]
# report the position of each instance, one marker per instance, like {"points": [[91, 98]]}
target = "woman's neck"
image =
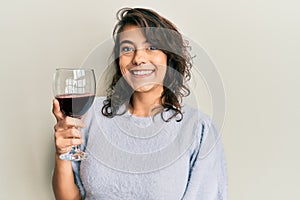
{"points": [[144, 103]]}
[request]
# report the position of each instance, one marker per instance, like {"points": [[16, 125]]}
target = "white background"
{"points": [[255, 45]]}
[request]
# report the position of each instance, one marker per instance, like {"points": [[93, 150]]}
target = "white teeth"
{"points": [[141, 72]]}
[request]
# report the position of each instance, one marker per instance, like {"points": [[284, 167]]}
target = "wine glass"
{"points": [[75, 89]]}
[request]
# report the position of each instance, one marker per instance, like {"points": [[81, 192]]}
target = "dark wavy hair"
{"points": [[164, 35]]}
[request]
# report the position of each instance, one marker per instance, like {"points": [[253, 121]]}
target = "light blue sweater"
{"points": [[145, 158]]}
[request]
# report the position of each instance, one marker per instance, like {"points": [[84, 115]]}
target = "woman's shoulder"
{"points": [[206, 132], [195, 113]]}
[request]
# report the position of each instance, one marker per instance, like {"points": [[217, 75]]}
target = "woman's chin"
{"points": [[147, 88]]}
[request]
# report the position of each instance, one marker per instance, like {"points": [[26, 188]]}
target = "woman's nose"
{"points": [[140, 57]]}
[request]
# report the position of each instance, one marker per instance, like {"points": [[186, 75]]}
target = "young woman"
{"points": [[143, 143]]}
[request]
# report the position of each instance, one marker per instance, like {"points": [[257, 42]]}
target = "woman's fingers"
{"points": [[63, 150], [69, 133], [74, 122], [64, 146], [64, 140], [69, 122], [56, 110], [63, 143]]}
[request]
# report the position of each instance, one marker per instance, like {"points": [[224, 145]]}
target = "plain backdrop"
{"points": [[255, 45]]}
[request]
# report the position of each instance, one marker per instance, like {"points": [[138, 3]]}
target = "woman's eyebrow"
{"points": [[131, 42], [126, 41]]}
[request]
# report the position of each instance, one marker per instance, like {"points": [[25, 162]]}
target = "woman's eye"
{"points": [[126, 49], [152, 48]]}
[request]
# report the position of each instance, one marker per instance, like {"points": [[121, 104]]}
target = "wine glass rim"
{"points": [[74, 68]]}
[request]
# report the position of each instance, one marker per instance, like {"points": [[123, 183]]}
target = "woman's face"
{"points": [[142, 65]]}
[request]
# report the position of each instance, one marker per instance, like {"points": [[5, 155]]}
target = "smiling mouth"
{"points": [[142, 73]]}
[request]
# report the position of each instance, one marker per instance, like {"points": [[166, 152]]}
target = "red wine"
{"points": [[75, 105]]}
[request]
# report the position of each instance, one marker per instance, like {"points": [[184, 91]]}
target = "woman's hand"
{"points": [[67, 131]]}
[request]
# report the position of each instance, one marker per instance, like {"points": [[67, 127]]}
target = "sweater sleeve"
{"points": [[207, 175]]}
